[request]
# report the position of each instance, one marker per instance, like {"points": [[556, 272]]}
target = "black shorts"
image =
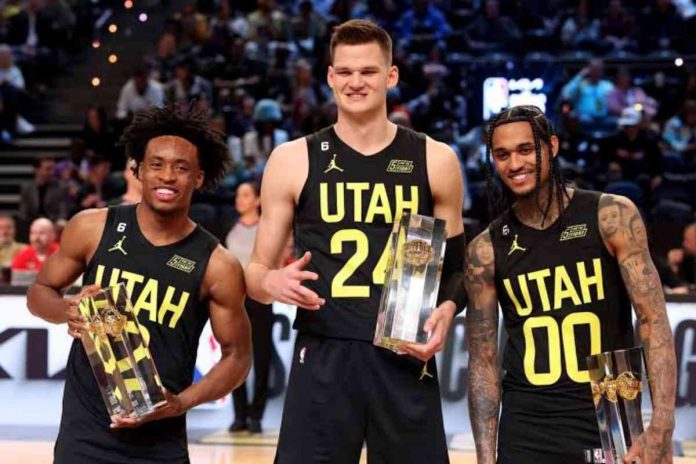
{"points": [[343, 393]]}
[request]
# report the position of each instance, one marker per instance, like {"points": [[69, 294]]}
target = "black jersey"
{"points": [[164, 283], [344, 217], [562, 299]]}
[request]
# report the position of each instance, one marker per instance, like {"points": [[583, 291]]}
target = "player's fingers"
{"points": [[433, 320], [307, 275], [303, 302], [633, 453], [416, 350], [290, 299], [309, 295], [88, 290], [303, 261]]}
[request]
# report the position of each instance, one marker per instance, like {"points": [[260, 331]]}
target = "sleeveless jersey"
{"points": [[163, 283], [562, 298], [344, 217]]}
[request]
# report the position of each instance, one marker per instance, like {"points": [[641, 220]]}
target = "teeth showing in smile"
{"points": [[164, 193]]}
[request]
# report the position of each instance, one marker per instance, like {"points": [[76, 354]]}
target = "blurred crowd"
{"points": [[37, 40], [622, 98]]}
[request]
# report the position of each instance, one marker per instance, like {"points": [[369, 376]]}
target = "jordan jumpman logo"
{"points": [[119, 246], [333, 166], [515, 246]]}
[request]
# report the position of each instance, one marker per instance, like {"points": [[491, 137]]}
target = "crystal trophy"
{"points": [[119, 356], [412, 280], [617, 379]]}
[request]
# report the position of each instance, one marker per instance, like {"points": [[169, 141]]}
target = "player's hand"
{"points": [[654, 446], [174, 406], [77, 323], [439, 323], [285, 285]]}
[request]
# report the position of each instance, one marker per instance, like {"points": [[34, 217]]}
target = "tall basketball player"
{"points": [[178, 277], [565, 266], [342, 188]]}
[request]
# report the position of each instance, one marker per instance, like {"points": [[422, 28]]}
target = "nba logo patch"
{"points": [[303, 351]]}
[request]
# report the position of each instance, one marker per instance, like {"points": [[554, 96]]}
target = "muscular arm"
{"points": [[283, 179], [630, 246], [482, 344], [225, 290], [446, 185], [79, 241]]}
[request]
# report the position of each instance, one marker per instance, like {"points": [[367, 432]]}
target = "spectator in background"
{"points": [[240, 243], [187, 86], [306, 93], [625, 94], [635, 150], [61, 21], [680, 132], [308, 27], [493, 32], [164, 61], [661, 27], [683, 260], [42, 244], [258, 143], [580, 31], [424, 19], [134, 188], [98, 137], [587, 93], [96, 191], [268, 23], [45, 195], [9, 73], [617, 27], [138, 94], [8, 246]]}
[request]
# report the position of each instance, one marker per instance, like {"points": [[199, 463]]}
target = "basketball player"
{"points": [[177, 275], [342, 188], [565, 266]]}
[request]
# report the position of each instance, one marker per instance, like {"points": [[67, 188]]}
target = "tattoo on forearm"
{"points": [[645, 291], [482, 342]]}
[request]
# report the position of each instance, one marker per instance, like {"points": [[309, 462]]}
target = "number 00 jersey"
{"points": [[344, 217], [562, 299], [163, 283]]}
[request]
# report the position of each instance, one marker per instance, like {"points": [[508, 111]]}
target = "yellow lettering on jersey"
{"points": [[147, 300], [527, 309], [168, 306], [403, 204], [538, 277], [357, 188], [379, 204], [99, 276], [131, 279], [587, 281], [564, 288], [324, 203]]}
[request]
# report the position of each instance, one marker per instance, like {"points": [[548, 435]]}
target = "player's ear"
{"points": [[393, 77], [330, 77], [554, 145], [200, 179]]}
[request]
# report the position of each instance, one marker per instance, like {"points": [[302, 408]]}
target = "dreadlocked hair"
{"points": [[500, 198], [189, 124]]}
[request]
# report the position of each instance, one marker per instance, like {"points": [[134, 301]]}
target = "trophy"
{"points": [[412, 280], [121, 362], [617, 379]]}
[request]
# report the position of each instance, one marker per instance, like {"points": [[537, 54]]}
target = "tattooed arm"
{"points": [[624, 233], [482, 344]]}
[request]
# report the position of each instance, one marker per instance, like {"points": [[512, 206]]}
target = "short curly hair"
{"points": [[189, 124]]}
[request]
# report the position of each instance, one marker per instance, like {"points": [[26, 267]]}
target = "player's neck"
{"points": [[531, 212], [163, 229], [366, 135], [249, 219]]}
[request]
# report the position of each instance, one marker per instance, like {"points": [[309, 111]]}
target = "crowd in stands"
{"points": [[258, 69], [37, 40]]}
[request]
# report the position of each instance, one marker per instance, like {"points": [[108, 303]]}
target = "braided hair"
{"points": [[500, 198]]}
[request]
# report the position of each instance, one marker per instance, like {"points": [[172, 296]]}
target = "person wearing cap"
{"points": [[634, 149], [258, 143]]}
